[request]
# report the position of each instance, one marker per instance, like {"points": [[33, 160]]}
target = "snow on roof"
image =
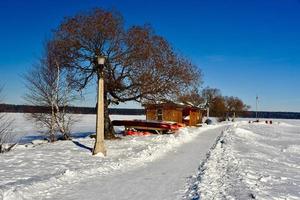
{"points": [[174, 103]]}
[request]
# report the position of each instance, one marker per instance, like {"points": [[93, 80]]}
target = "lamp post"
{"points": [[99, 143], [256, 107]]}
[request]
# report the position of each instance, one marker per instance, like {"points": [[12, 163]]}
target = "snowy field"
{"points": [[252, 161], [223, 161], [39, 170], [25, 130]]}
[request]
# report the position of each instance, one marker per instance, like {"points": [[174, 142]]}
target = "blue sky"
{"points": [[243, 47]]}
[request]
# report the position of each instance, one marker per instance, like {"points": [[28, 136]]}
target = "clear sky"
{"points": [[245, 48]]}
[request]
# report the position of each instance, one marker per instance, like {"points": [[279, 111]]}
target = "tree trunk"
{"points": [[109, 132], [61, 123], [52, 136]]}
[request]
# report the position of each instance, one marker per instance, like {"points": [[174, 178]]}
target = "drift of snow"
{"points": [[247, 161], [37, 170], [251, 161]]}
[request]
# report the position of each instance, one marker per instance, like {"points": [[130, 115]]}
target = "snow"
{"points": [[252, 161], [231, 160], [162, 175], [42, 171], [26, 131]]}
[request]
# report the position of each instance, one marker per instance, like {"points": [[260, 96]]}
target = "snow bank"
{"points": [[37, 171], [251, 161]]}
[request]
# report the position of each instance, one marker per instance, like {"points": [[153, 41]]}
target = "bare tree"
{"points": [[193, 97], [223, 107], [210, 94], [48, 86], [218, 108], [6, 135], [140, 65], [234, 105]]}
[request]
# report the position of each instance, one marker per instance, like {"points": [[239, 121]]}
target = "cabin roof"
{"points": [[170, 104]]}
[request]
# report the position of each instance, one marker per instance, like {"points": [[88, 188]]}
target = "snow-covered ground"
{"points": [[25, 130], [162, 174], [223, 161], [252, 161], [43, 170]]}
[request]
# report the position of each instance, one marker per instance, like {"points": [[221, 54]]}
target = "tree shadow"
{"points": [[42, 136], [81, 134], [29, 138], [82, 146]]}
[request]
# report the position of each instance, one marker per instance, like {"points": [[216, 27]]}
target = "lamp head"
{"points": [[101, 60]]}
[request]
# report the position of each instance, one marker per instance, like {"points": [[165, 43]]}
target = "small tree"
{"points": [[6, 135], [218, 108], [194, 97], [210, 95], [48, 86], [234, 105]]}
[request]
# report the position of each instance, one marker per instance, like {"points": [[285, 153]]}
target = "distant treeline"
{"points": [[124, 111], [74, 110], [273, 115]]}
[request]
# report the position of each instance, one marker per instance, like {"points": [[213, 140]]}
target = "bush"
{"points": [[6, 136]]}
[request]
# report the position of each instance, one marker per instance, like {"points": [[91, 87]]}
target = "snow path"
{"points": [[164, 178]]}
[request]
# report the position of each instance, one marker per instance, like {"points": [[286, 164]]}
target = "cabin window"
{"points": [[159, 114]]}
